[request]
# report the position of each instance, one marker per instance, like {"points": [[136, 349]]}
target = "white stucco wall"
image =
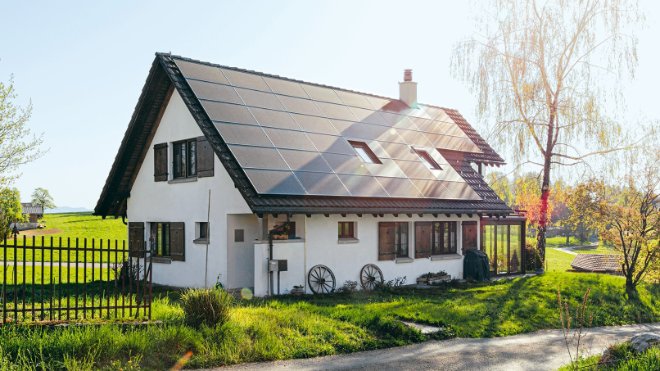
{"points": [[186, 202], [320, 246]]}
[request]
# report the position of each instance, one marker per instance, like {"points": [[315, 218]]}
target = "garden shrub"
{"points": [[532, 257], [208, 307]]}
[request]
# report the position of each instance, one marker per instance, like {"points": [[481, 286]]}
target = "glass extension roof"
{"points": [[292, 138]]}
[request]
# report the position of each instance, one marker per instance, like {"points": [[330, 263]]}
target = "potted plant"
{"points": [[431, 278]]}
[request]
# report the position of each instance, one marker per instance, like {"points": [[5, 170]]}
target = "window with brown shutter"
{"points": [[423, 239], [386, 249], [177, 241], [160, 162], [205, 157], [392, 240], [168, 240], [434, 238], [135, 239]]}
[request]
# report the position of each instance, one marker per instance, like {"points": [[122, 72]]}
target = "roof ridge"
{"points": [[264, 74]]}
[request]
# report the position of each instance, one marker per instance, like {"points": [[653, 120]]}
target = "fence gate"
{"points": [[73, 279]]}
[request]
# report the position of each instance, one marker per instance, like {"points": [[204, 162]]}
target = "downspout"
{"points": [[208, 227], [285, 228]]}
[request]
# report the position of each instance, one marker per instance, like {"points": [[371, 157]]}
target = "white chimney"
{"points": [[408, 89]]}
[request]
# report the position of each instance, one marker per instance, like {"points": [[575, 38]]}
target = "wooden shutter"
{"points": [[423, 233], [386, 241], [205, 157], [160, 162], [177, 241], [135, 239]]}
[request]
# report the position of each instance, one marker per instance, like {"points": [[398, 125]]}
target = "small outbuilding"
{"points": [[32, 211]]}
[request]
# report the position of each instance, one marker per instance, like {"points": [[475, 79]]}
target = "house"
{"points": [[267, 183], [32, 211]]}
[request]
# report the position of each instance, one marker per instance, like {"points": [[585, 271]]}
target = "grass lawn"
{"points": [[80, 225], [70, 230], [557, 260], [292, 327]]}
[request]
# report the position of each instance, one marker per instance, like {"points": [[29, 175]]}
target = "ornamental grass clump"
{"points": [[208, 307]]}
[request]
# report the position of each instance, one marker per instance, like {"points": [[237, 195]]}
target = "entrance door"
{"points": [[469, 236], [242, 230]]}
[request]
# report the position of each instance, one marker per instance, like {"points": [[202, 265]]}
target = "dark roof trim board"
{"points": [[165, 76]]}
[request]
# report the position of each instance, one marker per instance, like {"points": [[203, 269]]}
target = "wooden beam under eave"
{"points": [[409, 215], [343, 215], [469, 215], [308, 215], [359, 215], [448, 215], [374, 215], [327, 215], [396, 215], [435, 215], [420, 215]]}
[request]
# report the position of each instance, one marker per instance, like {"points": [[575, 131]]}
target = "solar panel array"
{"points": [[291, 138]]}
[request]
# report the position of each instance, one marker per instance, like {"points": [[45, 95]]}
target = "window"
{"points": [[428, 161], [392, 240], [239, 235], [185, 159], [201, 232], [346, 230], [365, 153], [160, 239], [284, 231], [191, 158], [160, 162], [435, 238], [167, 240]]}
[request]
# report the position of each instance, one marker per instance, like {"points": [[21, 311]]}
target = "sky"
{"points": [[82, 64]]}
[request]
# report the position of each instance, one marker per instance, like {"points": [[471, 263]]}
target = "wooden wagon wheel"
{"points": [[370, 276], [321, 279]]}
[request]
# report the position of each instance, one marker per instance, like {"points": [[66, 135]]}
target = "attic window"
{"points": [[365, 153], [428, 161]]}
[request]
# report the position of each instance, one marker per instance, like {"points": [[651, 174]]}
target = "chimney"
{"points": [[408, 89]]}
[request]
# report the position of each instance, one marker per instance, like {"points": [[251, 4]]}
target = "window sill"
{"points": [[343, 241], [201, 241], [446, 257], [161, 259], [182, 180], [293, 240], [403, 260]]}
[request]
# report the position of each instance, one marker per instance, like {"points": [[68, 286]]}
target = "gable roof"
{"points": [[285, 144], [597, 263], [30, 208]]}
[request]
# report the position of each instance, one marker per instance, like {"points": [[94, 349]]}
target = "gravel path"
{"points": [[542, 350]]}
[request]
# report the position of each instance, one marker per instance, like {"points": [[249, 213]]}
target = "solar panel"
{"points": [[293, 138], [243, 134], [275, 119], [305, 161], [290, 139], [215, 92], [245, 80], [227, 112], [275, 182], [321, 94], [201, 71], [362, 186], [256, 98], [258, 157], [321, 184]]}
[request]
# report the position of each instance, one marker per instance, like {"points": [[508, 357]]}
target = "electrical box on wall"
{"points": [[277, 265]]}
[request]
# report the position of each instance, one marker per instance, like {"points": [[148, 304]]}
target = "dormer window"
{"points": [[365, 153], [428, 161]]}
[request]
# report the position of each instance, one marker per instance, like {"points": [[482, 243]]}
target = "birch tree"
{"points": [[18, 145], [548, 73]]}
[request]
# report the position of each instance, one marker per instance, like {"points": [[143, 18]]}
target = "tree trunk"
{"points": [[631, 290], [543, 212]]}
